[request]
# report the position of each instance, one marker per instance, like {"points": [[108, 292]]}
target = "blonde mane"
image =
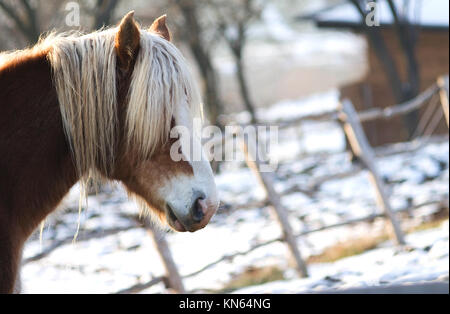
{"points": [[84, 74]]}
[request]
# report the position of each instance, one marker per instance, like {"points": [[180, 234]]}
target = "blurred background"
{"points": [[289, 63]]}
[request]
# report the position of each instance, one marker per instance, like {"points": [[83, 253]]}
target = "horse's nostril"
{"points": [[170, 212], [197, 210]]}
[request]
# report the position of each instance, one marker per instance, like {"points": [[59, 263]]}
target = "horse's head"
{"points": [[161, 95], [121, 93]]}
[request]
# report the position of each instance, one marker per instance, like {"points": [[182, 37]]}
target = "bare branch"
{"points": [[141, 286], [82, 237], [104, 12]]}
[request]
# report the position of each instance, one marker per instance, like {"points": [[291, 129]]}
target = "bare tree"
{"points": [[406, 33], [30, 18], [204, 24], [234, 17], [104, 12], [407, 37], [193, 33], [25, 17]]}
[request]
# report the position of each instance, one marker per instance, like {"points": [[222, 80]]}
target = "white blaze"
{"points": [[182, 190]]}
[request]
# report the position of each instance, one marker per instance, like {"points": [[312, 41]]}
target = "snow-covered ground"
{"points": [[118, 260], [425, 260]]}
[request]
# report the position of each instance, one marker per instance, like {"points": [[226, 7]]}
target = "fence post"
{"points": [[173, 276], [443, 85], [361, 147], [251, 151]]}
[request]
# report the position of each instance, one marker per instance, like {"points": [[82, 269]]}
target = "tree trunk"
{"points": [[402, 91], [244, 87], [105, 11], [407, 41], [192, 32], [28, 26]]}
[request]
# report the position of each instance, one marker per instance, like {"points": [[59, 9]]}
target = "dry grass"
{"points": [[427, 225], [362, 244], [348, 248], [260, 275], [253, 276]]}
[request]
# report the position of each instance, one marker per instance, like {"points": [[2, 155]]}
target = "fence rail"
{"points": [[361, 147], [230, 257], [351, 121], [440, 87], [374, 113]]}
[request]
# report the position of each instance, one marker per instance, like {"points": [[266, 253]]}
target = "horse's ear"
{"points": [[127, 41], [159, 26]]}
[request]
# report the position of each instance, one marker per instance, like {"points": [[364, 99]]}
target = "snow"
{"points": [[314, 104], [425, 260], [110, 263]]}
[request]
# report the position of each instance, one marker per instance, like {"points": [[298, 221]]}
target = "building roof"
{"points": [[428, 14]]}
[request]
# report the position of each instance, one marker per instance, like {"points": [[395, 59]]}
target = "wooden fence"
{"points": [[351, 121]]}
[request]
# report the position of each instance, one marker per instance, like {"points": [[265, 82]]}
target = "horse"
{"points": [[98, 106]]}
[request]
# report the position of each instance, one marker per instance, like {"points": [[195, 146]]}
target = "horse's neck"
{"points": [[36, 170]]}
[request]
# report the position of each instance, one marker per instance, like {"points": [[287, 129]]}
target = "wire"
{"points": [[426, 117], [433, 124]]}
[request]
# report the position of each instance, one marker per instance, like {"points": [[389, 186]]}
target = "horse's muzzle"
{"points": [[197, 218]]}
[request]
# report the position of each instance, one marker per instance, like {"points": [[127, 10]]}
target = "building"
{"points": [[430, 23]]}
